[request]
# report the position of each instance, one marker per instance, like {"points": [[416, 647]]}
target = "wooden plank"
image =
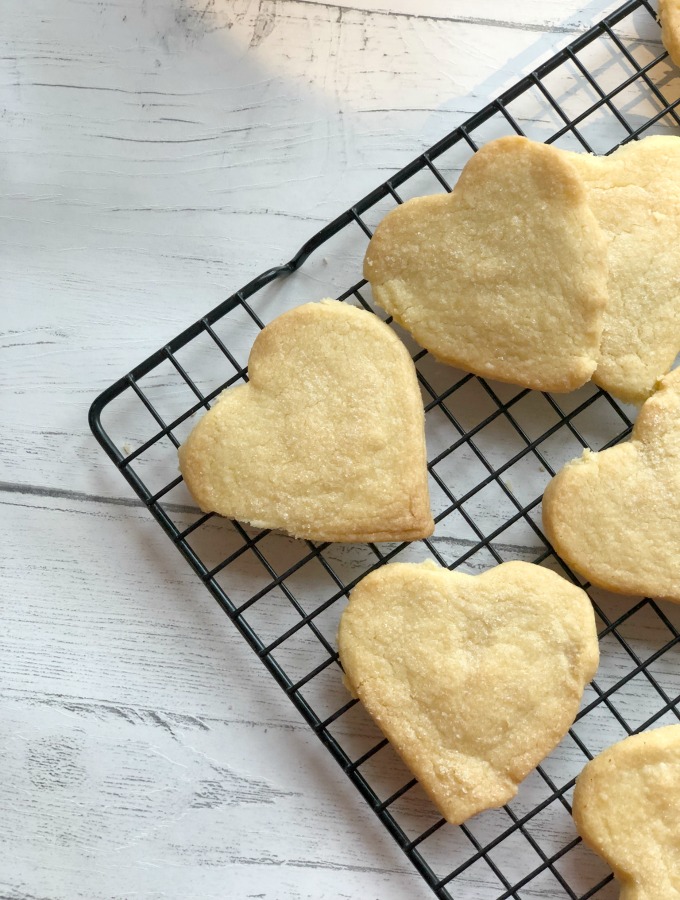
{"points": [[156, 156], [158, 162], [143, 736]]}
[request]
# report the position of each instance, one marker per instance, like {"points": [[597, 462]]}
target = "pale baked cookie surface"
{"points": [[474, 679], [326, 441], [627, 808], [669, 15], [635, 195], [505, 277], [614, 516]]}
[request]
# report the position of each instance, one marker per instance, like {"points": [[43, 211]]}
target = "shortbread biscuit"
{"points": [[326, 441], [635, 195], [627, 808], [669, 16], [505, 277], [614, 516], [474, 679]]}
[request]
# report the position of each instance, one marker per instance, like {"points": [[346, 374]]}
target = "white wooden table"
{"points": [[154, 156]]}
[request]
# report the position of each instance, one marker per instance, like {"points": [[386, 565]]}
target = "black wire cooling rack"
{"points": [[492, 448]]}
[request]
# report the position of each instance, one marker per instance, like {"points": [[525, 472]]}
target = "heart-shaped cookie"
{"points": [[505, 277], [635, 195], [326, 441], [627, 808], [614, 516], [669, 15], [474, 679]]}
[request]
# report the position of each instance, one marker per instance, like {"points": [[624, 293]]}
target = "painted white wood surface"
{"points": [[154, 156]]}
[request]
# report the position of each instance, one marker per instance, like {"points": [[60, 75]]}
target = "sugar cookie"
{"points": [[614, 516], [505, 277], [326, 441], [669, 16], [474, 679], [627, 807], [635, 195]]}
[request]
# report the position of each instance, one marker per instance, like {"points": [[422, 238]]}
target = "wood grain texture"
{"points": [[155, 156], [146, 750]]}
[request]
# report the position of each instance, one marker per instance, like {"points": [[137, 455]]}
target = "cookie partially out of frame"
{"points": [[326, 441], [614, 516], [507, 276], [474, 679], [635, 195], [669, 15], [627, 808]]}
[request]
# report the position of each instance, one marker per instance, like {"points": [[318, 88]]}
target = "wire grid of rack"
{"points": [[491, 450]]}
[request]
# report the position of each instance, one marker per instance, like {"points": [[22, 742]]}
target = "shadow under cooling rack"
{"points": [[491, 450]]}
